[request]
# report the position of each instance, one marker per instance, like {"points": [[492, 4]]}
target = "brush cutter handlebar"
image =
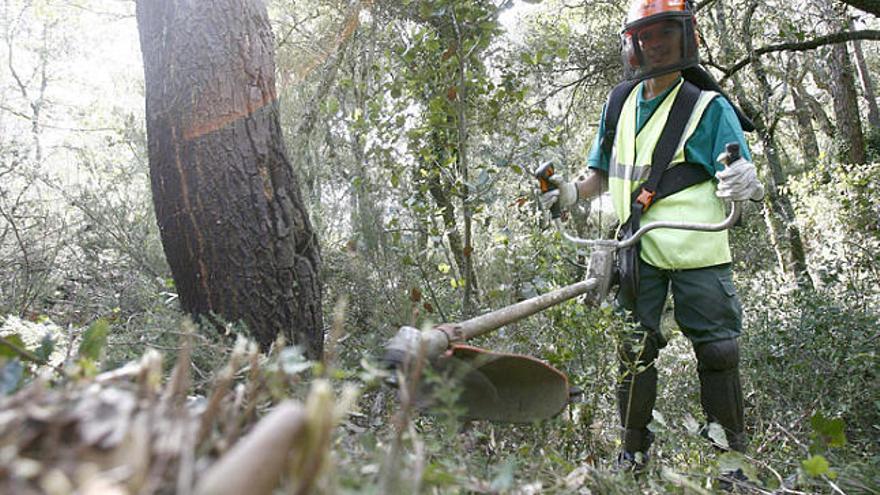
{"points": [[729, 158], [727, 223]]}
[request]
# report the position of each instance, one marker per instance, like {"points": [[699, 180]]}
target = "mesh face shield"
{"points": [[659, 44]]}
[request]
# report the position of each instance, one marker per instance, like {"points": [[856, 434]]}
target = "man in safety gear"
{"points": [[658, 45]]}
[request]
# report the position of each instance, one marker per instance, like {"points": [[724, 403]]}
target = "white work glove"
{"points": [[739, 181], [565, 194]]}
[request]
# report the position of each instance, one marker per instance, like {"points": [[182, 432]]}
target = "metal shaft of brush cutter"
{"points": [[410, 342], [508, 387], [432, 342]]}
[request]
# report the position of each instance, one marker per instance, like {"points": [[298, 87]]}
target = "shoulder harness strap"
{"points": [[616, 99], [679, 115], [703, 80], [695, 75]]}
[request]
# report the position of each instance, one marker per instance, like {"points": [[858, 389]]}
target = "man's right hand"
{"points": [[565, 194]]}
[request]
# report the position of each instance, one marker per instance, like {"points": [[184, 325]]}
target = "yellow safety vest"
{"points": [[630, 165]]}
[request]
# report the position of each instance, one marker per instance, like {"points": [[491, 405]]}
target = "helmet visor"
{"points": [[659, 45]]}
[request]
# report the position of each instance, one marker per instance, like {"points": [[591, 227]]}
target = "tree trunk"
{"points": [[463, 162], [782, 219], [846, 105], [233, 224], [809, 144], [846, 100], [820, 78], [439, 191], [867, 84], [779, 215], [367, 219], [803, 116]]}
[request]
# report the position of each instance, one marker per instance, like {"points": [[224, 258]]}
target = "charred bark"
{"points": [[233, 224]]}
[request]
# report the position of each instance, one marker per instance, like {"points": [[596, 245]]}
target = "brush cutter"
{"points": [[512, 387]]}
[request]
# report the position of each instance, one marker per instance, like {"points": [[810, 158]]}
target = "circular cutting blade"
{"points": [[505, 387]]}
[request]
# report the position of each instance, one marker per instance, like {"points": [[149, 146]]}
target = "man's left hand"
{"points": [[739, 182]]}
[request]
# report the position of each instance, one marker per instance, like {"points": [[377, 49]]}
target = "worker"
{"points": [[659, 45]]}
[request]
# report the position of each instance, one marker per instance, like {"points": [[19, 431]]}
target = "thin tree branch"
{"points": [[18, 114], [870, 6], [703, 4], [831, 39]]}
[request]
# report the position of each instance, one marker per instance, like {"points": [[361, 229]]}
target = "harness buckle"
{"points": [[645, 198]]}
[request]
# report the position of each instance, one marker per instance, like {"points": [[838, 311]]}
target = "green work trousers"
{"points": [[709, 313], [706, 305]]}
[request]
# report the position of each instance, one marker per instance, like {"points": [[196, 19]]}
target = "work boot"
{"points": [[629, 462], [634, 458], [734, 482]]}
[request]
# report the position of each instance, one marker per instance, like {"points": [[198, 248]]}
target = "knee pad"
{"points": [[720, 355]]}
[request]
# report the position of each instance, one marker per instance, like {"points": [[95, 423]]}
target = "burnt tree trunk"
{"points": [[233, 224]]}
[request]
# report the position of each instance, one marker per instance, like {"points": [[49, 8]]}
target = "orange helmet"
{"points": [[658, 37]]}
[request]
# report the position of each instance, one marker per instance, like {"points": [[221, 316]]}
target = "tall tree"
{"points": [[843, 93], [234, 228], [447, 74], [865, 79], [804, 118]]}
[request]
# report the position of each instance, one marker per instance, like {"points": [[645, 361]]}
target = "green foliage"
{"points": [[827, 432], [872, 144], [27, 349], [14, 353], [6, 348], [731, 461], [817, 466], [91, 349], [93, 341], [46, 348]]}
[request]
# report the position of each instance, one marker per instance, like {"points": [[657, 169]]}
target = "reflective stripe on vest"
{"points": [[631, 164]]}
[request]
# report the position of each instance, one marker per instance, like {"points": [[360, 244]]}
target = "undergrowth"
{"points": [[810, 366]]}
